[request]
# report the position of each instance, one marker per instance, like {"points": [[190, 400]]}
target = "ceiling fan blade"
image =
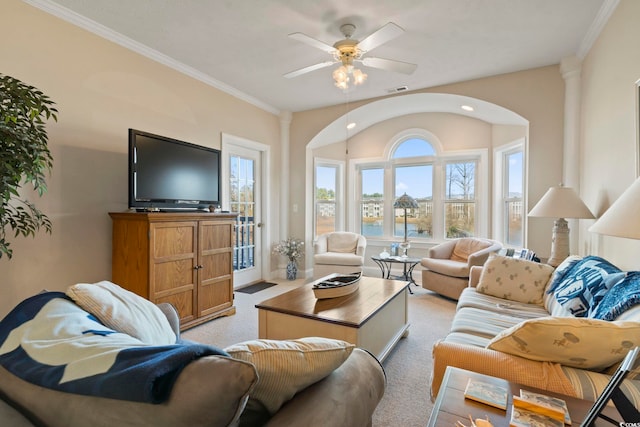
{"points": [[301, 37], [389, 65], [388, 32], [308, 69]]}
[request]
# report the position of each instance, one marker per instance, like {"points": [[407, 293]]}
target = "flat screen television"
{"points": [[168, 174]]}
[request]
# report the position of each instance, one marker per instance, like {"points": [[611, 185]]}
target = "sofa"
{"points": [[564, 330], [338, 252], [142, 373], [447, 265]]}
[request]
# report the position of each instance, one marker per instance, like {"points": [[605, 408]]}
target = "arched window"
{"points": [[413, 147], [444, 185]]}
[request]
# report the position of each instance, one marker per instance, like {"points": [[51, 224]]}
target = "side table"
{"points": [[408, 265], [451, 406]]}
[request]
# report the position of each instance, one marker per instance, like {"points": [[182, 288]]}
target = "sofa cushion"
{"points": [[571, 341], [582, 286], [124, 311], [470, 297], [623, 295], [288, 366], [465, 247], [514, 279], [343, 242]]}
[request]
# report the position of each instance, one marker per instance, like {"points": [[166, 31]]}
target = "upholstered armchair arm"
{"points": [[480, 257], [172, 316], [474, 275], [320, 245], [362, 245], [442, 251], [542, 375]]}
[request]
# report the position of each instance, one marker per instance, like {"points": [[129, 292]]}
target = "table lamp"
{"points": [[560, 202], [405, 202], [622, 218]]}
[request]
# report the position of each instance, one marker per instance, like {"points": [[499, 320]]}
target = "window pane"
{"points": [[326, 182], [513, 199], [413, 147], [459, 219], [461, 181], [372, 202], [460, 192], [417, 182]]}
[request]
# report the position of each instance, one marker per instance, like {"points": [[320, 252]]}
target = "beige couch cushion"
{"points": [[465, 247], [333, 258], [514, 279], [343, 242], [571, 341], [447, 267], [286, 367]]}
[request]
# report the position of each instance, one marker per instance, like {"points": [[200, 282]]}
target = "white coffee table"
{"points": [[374, 317]]}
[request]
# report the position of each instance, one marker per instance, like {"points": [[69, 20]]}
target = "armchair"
{"points": [[447, 265], [338, 252]]}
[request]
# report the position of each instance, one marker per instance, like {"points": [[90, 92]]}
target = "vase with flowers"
{"points": [[293, 249]]}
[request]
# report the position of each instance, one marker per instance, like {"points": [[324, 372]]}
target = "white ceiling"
{"points": [[242, 46]]}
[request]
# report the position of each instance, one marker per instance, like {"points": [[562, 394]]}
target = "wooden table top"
{"points": [[451, 406], [350, 310]]}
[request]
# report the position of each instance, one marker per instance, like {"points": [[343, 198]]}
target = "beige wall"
{"points": [[537, 95], [101, 89], [608, 134]]}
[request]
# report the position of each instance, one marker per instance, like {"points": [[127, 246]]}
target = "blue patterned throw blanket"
{"points": [[49, 341]]}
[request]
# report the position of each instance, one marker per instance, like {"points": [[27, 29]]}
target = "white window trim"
{"points": [[483, 201], [499, 180], [340, 203]]}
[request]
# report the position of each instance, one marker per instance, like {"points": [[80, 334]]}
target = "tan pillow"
{"points": [[514, 279], [571, 341], [124, 311], [288, 366], [465, 247]]}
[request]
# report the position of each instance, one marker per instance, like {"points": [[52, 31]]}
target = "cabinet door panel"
{"points": [[215, 296], [174, 239]]}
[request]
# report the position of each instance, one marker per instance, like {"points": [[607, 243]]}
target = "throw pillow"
{"points": [[288, 366], [514, 279], [124, 311], [571, 341], [623, 295], [584, 284]]}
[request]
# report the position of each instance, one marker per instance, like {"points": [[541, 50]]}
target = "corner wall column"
{"points": [[285, 125], [571, 68]]}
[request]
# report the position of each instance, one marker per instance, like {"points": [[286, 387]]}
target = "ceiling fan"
{"points": [[348, 51]]}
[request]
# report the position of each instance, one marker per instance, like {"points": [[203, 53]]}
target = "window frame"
{"points": [[388, 163], [339, 165], [501, 182]]}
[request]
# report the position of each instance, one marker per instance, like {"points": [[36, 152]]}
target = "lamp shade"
{"points": [[622, 219], [405, 202], [561, 202]]}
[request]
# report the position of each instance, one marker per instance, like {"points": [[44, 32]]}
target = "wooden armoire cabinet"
{"points": [[185, 259]]}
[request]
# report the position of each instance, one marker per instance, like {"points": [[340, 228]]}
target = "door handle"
{"points": [[259, 224]]}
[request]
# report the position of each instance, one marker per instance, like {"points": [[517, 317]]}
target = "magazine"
{"points": [[524, 418], [489, 394], [550, 402]]}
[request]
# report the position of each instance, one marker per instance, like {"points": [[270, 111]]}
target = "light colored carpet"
{"points": [[406, 401]]}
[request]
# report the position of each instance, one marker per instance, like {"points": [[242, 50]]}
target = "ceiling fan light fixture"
{"points": [[342, 76]]}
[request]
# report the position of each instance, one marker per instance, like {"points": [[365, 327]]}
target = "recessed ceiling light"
{"points": [[467, 107], [351, 125]]}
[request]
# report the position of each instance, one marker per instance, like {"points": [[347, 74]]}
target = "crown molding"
{"points": [[126, 42], [601, 19]]}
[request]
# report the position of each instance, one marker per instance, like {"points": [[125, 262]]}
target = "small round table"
{"points": [[408, 264]]}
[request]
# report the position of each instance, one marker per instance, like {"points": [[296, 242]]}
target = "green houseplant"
{"points": [[24, 157]]}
